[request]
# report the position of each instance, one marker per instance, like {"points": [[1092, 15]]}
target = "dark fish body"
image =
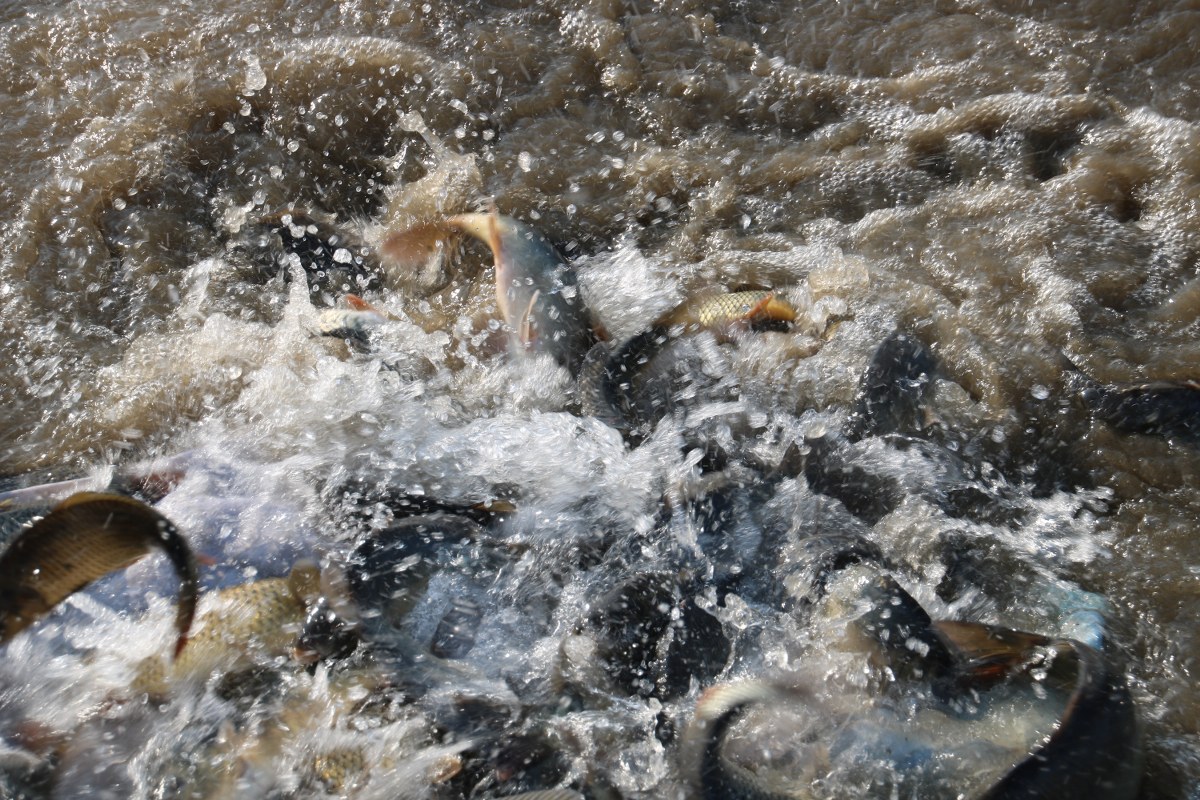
{"points": [[831, 469], [914, 650], [893, 388], [391, 570], [1096, 750], [1170, 409], [1093, 752], [871, 477], [82, 539], [652, 641], [332, 260], [617, 388], [634, 385], [1166, 409], [324, 634]]}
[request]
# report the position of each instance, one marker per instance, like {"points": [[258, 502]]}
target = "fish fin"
{"points": [[776, 309], [415, 247], [760, 308], [525, 331]]}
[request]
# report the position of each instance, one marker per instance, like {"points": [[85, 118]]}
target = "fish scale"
{"points": [[87, 536], [262, 618], [751, 306]]}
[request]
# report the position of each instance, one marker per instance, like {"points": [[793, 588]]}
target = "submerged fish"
{"points": [[84, 538], [536, 290], [632, 386], [1170, 409], [1161, 408]]}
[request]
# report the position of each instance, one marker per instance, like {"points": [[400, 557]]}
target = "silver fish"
{"points": [[536, 290]]}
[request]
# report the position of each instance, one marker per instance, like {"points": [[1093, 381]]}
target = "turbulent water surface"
{"points": [[1015, 184]]}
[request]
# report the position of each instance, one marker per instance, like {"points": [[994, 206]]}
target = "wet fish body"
{"points": [[536, 290], [82, 539], [1167, 409], [893, 389], [1093, 751], [249, 623], [634, 385], [754, 308], [332, 260]]}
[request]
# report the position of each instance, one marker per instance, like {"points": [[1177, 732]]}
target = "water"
{"points": [[1010, 181]]}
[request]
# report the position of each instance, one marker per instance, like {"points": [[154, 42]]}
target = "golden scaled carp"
{"points": [[536, 290], [244, 625], [729, 309], [83, 538]]}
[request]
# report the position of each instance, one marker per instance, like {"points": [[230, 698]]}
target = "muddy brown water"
{"points": [[1011, 181]]}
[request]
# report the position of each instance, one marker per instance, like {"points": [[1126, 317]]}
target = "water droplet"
{"points": [[1040, 392], [255, 78]]}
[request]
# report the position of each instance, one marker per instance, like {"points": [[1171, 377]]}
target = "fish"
{"points": [[631, 386], [333, 260], [913, 649], [393, 567], [893, 388], [246, 623], [1096, 749], [1093, 748], [355, 322], [149, 481], [83, 538], [711, 774], [537, 294], [717, 311], [1166, 409]]}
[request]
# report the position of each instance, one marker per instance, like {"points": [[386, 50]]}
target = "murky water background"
{"points": [[1009, 181]]}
